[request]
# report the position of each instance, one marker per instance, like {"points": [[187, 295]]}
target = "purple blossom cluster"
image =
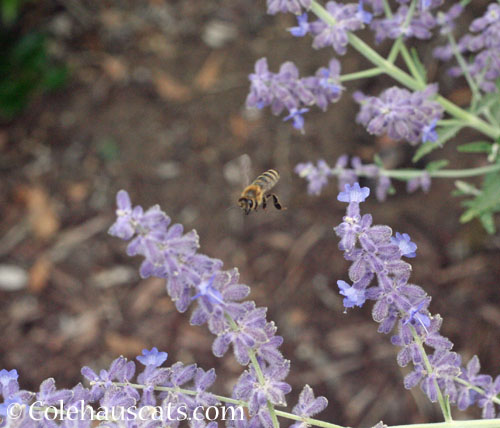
{"points": [[284, 6], [193, 278], [401, 114], [419, 25], [318, 175], [286, 90], [184, 389], [378, 273], [419, 22], [482, 44]]}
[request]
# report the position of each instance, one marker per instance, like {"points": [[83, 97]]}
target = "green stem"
{"points": [[404, 50], [395, 50], [399, 75], [428, 367], [465, 68], [371, 72], [258, 371], [406, 174], [475, 388], [410, 64], [387, 9]]}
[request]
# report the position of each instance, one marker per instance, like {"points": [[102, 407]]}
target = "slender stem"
{"points": [[258, 371], [428, 367], [399, 75], [475, 388], [465, 68], [395, 50], [361, 74], [404, 50], [406, 174], [481, 423], [410, 64], [387, 9]]}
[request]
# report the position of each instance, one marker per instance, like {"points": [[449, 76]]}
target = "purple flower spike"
{"points": [[353, 296], [347, 18], [401, 114], [353, 193], [406, 246], [303, 26], [287, 91], [152, 358]]}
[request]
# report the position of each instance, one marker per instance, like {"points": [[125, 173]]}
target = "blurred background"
{"points": [[148, 96]]}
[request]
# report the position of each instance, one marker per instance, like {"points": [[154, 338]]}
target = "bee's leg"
{"points": [[264, 203], [276, 202]]}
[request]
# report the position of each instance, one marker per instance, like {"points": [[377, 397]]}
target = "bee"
{"points": [[256, 194]]}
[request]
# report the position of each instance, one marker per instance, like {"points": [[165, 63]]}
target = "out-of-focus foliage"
{"points": [[25, 64]]}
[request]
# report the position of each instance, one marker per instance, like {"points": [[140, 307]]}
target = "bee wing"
{"points": [[237, 171]]}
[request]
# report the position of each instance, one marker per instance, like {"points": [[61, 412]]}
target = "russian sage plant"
{"points": [[166, 396], [412, 111]]}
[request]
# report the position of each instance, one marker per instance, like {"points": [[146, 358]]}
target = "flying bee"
{"points": [[256, 194]]}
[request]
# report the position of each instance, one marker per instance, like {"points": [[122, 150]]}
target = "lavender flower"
{"points": [[284, 6], [347, 18], [353, 296], [354, 193], [218, 296], [302, 28], [286, 90], [317, 176], [257, 395], [423, 182], [374, 253], [420, 25], [483, 46], [308, 406], [399, 113], [152, 358], [406, 246]]}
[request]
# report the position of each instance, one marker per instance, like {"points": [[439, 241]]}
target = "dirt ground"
{"points": [[155, 105]]}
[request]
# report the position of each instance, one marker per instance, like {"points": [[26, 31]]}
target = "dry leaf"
{"points": [[239, 126], [461, 96], [171, 89], [77, 192], [115, 68], [124, 345], [209, 72], [39, 274], [42, 217]]}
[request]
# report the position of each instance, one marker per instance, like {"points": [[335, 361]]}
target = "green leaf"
{"points": [[54, 78], [378, 160], [475, 147], [487, 101], [445, 133], [436, 165], [485, 204], [488, 222], [464, 188], [420, 67]]}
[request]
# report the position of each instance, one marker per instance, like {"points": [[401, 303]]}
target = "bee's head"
{"points": [[245, 204]]}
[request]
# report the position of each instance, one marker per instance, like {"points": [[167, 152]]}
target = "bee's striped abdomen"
{"points": [[267, 180]]}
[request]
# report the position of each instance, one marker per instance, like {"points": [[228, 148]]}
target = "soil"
{"points": [[155, 105]]}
